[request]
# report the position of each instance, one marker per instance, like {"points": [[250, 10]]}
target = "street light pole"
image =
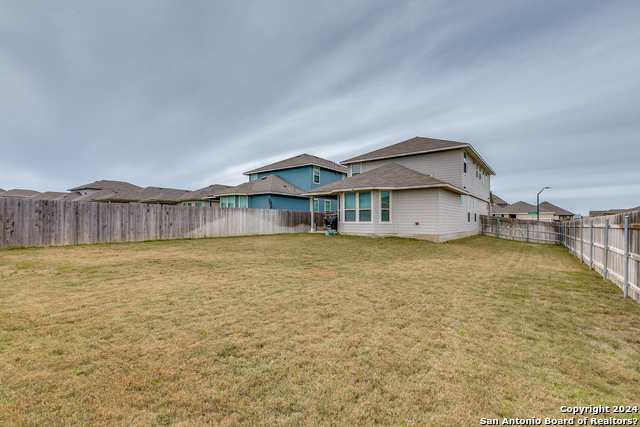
{"points": [[538, 203]]}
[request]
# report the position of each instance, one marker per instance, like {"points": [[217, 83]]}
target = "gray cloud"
{"points": [[187, 94]]}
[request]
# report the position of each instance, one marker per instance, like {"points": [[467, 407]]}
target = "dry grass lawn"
{"points": [[306, 330]]}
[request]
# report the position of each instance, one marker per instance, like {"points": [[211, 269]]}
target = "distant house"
{"points": [[497, 201], [19, 194], [98, 189], [203, 196], [154, 195], [524, 210], [50, 195], [424, 188], [305, 172], [267, 192], [612, 212]]}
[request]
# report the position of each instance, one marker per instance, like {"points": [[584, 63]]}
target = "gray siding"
{"points": [[453, 215], [444, 165], [470, 182]]}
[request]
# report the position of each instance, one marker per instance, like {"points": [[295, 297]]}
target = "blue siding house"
{"points": [[306, 172], [282, 185]]}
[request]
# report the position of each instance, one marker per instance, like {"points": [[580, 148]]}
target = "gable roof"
{"points": [[50, 195], [20, 194], [416, 145], [297, 161], [144, 195], [498, 200], [516, 208], [391, 176], [612, 211], [107, 185], [270, 184], [204, 193], [2, 190], [548, 207]]}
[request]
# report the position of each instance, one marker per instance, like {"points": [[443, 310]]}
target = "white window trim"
{"points": [[380, 221], [315, 168], [357, 209], [351, 169], [246, 198], [253, 177], [313, 205], [234, 202], [325, 205]]}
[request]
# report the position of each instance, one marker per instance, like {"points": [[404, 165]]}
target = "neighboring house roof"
{"points": [[270, 184], [204, 193], [20, 194], [499, 201], [548, 207], [417, 145], [167, 195], [50, 195], [2, 190], [144, 195], [93, 196], [301, 160], [518, 208], [388, 177], [107, 185], [613, 211]]}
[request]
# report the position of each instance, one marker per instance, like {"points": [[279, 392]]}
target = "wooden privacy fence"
{"points": [[519, 229], [610, 245], [25, 222]]}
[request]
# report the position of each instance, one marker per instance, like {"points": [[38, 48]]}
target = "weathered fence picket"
{"points": [[614, 249], [25, 222]]}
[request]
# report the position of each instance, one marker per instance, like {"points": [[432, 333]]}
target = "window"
{"points": [[344, 175], [468, 209], [475, 212], [462, 200], [242, 202], [316, 175], [384, 206], [327, 205], [477, 171], [231, 202], [364, 208], [512, 216], [355, 169], [223, 202], [464, 155], [198, 204], [254, 176], [315, 205], [350, 207]]}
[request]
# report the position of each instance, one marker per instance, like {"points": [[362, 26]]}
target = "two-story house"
{"points": [[282, 185], [425, 188]]}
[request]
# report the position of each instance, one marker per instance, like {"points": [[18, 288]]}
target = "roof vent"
{"points": [[264, 177]]}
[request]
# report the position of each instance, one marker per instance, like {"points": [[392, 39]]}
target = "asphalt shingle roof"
{"points": [[301, 160], [270, 184], [388, 177], [410, 146], [50, 195], [107, 185], [204, 193], [22, 194]]}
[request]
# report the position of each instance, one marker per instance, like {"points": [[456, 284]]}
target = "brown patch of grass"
{"points": [[308, 330]]}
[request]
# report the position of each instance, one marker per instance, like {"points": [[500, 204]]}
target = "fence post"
{"points": [[625, 285], [483, 226], [527, 231], [591, 247], [581, 241], [606, 249], [498, 227]]}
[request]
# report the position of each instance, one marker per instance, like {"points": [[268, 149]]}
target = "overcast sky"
{"points": [[184, 94]]}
